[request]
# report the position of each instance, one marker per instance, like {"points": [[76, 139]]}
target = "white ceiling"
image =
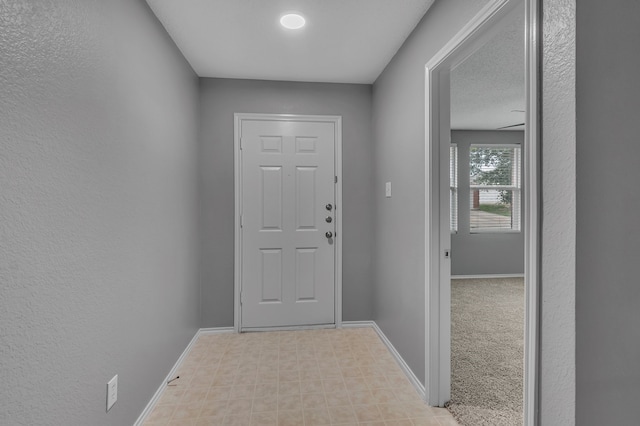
{"points": [[344, 41], [489, 85]]}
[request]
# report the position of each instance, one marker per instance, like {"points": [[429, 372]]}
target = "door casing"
{"points": [[337, 121], [437, 234]]}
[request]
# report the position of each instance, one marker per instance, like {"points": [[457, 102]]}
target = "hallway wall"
{"points": [[220, 99], [98, 209], [398, 128], [607, 206]]}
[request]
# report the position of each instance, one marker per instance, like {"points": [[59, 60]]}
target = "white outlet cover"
{"points": [[112, 392], [387, 189]]}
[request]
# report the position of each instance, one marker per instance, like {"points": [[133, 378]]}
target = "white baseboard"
{"points": [[487, 276], [419, 387], [154, 400], [357, 324], [216, 330], [289, 328]]}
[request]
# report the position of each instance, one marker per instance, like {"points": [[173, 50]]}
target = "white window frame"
{"points": [[516, 209]]}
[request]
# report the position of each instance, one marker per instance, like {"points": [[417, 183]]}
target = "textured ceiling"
{"points": [[344, 41], [489, 85]]}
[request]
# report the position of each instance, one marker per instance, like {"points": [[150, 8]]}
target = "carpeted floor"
{"points": [[487, 341]]}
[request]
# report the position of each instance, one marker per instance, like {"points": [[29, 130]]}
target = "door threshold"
{"points": [[287, 328]]}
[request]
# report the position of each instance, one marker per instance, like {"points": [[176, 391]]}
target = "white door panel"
{"points": [[288, 264]]}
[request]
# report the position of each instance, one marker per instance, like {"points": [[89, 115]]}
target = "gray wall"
{"points": [[558, 215], [220, 99], [398, 123], [608, 206], [483, 253], [98, 209]]}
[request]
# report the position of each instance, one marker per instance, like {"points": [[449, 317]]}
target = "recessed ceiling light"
{"points": [[292, 21]]}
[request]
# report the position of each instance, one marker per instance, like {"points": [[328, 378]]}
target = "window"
{"points": [[453, 187], [494, 178]]}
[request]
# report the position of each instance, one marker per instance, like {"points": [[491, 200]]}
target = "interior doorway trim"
{"points": [[437, 235], [337, 121]]}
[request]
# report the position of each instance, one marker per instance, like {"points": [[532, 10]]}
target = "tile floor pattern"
{"points": [[297, 378]]}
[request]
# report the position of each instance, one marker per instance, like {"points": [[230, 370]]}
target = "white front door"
{"points": [[288, 222]]}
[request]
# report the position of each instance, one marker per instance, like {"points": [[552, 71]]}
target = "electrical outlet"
{"points": [[112, 392], [387, 189]]}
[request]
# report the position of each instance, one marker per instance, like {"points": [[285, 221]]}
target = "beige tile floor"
{"points": [[298, 378]]}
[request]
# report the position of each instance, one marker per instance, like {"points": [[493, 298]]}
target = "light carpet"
{"points": [[487, 342]]}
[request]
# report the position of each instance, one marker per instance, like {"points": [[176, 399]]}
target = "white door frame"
{"points": [[437, 233], [337, 121]]}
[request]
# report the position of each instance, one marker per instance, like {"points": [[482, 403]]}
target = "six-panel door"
{"points": [[288, 262]]}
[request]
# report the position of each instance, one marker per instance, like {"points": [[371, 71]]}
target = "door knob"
{"points": [[329, 207], [329, 219], [329, 234]]}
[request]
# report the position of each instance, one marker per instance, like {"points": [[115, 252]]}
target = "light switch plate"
{"points": [[112, 392], [387, 189]]}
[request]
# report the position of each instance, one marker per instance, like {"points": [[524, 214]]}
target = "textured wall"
{"points": [[608, 202], [558, 281], [220, 99], [398, 127], [98, 209], [482, 253]]}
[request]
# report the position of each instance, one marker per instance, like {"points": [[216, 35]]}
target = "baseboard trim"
{"points": [[289, 328], [419, 387], [154, 400], [217, 330], [487, 276], [357, 324]]}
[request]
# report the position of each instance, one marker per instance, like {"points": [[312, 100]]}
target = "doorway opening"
{"points": [[487, 240], [496, 200]]}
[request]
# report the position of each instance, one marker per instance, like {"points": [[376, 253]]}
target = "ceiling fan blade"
{"points": [[513, 125]]}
